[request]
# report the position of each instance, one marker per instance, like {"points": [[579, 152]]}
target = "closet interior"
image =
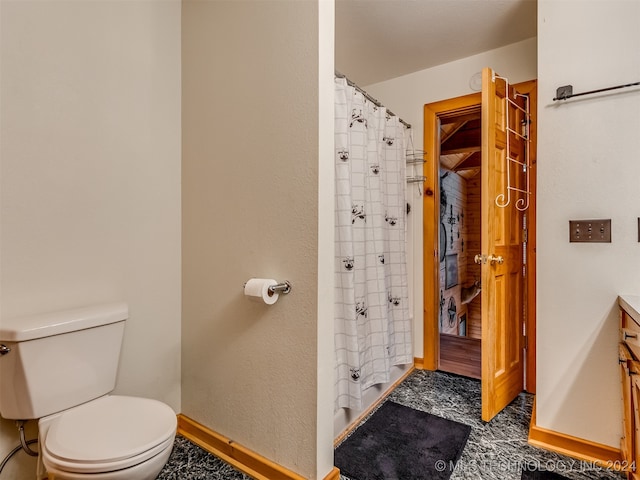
{"points": [[460, 318]]}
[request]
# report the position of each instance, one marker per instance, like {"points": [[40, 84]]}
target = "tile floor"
{"points": [[497, 450], [190, 462]]}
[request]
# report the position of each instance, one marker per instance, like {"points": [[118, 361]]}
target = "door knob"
{"points": [[493, 259], [481, 259]]}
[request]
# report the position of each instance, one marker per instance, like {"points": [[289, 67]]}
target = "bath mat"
{"points": [[401, 443], [529, 474]]}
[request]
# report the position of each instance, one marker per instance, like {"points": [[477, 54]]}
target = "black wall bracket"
{"points": [[566, 91]]}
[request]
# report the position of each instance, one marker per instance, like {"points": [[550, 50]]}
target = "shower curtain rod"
{"points": [[369, 97]]}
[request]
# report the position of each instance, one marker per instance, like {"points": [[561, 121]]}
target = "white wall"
{"points": [[90, 180], [588, 167]]}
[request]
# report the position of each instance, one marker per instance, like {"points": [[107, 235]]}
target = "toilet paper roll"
{"points": [[257, 289]]}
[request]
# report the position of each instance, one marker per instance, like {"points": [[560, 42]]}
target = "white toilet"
{"points": [[59, 368]]}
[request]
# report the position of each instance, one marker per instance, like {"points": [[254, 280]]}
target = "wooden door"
{"points": [[502, 245]]}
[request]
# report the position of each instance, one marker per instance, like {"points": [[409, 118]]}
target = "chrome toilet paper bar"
{"points": [[284, 287]]}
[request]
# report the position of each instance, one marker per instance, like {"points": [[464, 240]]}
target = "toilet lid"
{"points": [[109, 430]]}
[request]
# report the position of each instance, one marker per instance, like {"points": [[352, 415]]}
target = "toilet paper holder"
{"points": [[284, 287]]}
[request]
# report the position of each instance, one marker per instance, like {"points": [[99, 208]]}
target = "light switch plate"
{"points": [[594, 231]]}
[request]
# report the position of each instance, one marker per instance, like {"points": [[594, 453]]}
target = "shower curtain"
{"points": [[372, 323]]}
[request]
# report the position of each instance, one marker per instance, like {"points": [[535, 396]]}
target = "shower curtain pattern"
{"points": [[372, 323]]}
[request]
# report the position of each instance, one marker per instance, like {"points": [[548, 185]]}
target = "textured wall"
{"points": [[250, 209], [90, 185]]}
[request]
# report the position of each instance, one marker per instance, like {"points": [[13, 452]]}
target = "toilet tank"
{"points": [[59, 360]]}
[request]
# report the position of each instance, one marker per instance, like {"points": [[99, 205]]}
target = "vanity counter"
{"points": [[631, 305], [629, 362]]}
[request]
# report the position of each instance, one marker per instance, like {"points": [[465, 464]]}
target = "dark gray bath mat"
{"points": [[401, 443], [534, 474]]}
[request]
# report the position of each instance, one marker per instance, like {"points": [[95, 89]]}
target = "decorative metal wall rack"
{"points": [[504, 199]]}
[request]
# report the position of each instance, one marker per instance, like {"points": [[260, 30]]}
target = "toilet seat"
{"points": [[110, 433]]}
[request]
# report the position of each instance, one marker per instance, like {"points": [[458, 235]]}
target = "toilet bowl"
{"points": [[110, 438], [60, 368]]}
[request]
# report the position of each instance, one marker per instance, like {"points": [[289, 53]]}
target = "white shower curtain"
{"points": [[372, 324]]}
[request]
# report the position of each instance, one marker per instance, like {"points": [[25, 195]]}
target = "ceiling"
{"points": [[377, 40], [461, 144]]}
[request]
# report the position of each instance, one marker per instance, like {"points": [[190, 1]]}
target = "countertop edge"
{"points": [[631, 305]]}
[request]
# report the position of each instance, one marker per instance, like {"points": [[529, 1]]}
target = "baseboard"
{"points": [[240, 457], [418, 363], [578, 448], [333, 474], [353, 425]]}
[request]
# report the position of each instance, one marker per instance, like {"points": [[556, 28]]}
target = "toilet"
{"points": [[60, 368]]}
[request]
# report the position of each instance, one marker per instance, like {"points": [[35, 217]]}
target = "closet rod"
{"points": [[369, 97], [565, 92]]}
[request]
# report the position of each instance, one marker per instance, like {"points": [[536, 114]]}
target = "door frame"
{"points": [[431, 220]]}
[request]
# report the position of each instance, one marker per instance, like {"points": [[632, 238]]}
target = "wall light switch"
{"points": [[595, 231]]}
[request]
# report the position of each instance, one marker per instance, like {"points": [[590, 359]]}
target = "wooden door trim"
{"points": [[431, 219], [531, 88], [432, 112]]}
